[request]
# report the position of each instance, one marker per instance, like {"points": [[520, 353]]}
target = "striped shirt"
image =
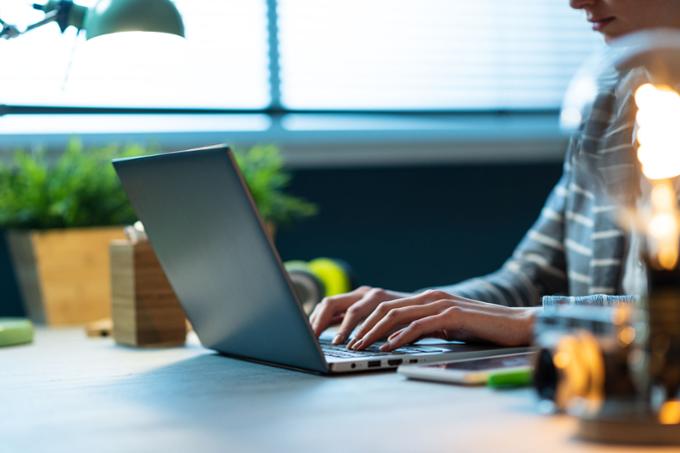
{"points": [[577, 247]]}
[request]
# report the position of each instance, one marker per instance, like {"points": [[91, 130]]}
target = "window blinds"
{"points": [[334, 54], [429, 54]]}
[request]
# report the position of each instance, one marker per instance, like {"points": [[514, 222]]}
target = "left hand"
{"points": [[438, 314]]}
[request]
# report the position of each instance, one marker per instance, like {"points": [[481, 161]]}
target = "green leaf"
{"points": [[263, 169], [79, 187]]}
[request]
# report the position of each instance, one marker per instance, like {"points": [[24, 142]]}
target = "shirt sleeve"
{"points": [[536, 267], [594, 300]]}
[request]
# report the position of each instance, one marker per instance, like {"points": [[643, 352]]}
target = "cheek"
{"points": [[648, 13]]}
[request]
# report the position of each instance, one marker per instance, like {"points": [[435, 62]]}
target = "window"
{"points": [[333, 54], [222, 63], [429, 54]]}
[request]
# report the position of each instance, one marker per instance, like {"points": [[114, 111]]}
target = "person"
{"points": [[575, 248]]}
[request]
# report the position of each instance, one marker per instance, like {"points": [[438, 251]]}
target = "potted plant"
{"points": [[62, 213], [263, 170]]}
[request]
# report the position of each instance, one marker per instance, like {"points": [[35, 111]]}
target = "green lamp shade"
{"points": [[113, 16]]}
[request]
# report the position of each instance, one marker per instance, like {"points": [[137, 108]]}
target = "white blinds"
{"points": [[335, 54], [429, 54]]}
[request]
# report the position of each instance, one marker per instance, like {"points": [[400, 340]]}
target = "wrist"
{"points": [[526, 317]]}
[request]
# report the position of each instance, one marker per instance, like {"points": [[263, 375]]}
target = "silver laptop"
{"points": [[228, 276]]}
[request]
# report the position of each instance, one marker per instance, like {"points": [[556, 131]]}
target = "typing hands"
{"points": [[403, 318]]}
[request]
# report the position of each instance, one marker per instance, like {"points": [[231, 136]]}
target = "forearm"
{"points": [[516, 284]]}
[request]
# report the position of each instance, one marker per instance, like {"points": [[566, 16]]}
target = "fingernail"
{"points": [[337, 339], [351, 343], [358, 345], [385, 347]]}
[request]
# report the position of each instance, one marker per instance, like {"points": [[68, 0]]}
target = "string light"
{"points": [[658, 137]]}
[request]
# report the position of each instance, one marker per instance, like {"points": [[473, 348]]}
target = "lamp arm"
{"points": [[8, 31], [11, 31], [63, 12], [50, 17]]}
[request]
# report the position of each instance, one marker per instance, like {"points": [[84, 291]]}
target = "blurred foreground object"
{"points": [[146, 311], [15, 331], [618, 368], [105, 17], [658, 135]]}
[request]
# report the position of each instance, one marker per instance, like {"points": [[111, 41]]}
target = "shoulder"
{"points": [[624, 92]]}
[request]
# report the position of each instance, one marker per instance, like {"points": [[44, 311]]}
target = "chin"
{"points": [[609, 37]]}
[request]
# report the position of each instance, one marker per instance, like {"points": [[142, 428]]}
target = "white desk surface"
{"points": [[67, 393]]}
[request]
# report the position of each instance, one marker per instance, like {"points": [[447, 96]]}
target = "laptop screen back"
{"points": [[211, 243]]}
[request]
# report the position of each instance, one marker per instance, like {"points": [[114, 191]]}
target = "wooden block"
{"points": [[145, 309]]}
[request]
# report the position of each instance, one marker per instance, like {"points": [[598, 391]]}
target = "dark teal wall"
{"points": [[407, 228]]}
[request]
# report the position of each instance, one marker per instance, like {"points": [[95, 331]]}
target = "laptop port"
{"points": [[374, 364], [413, 361], [394, 362]]}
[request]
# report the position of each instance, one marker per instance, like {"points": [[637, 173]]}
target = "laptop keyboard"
{"points": [[340, 351]]}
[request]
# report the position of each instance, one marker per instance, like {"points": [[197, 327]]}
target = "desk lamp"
{"points": [[630, 391], [106, 16]]}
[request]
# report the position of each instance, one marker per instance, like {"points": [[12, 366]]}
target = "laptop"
{"points": [[210, 240]]}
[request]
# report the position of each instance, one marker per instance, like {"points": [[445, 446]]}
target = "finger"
{"points": [[398, 317], [325, 312], [358, 311], [314, 316], [337, 319], [395, 333], [382, 310], [330, 307], [420, 328], [500, 327], [450, 300]]}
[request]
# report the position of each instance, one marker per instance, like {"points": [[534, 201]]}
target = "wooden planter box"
{"points": [[64, 275], [146, 311]]}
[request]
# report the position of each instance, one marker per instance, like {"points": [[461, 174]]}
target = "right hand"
{"points": [[350, 308]]}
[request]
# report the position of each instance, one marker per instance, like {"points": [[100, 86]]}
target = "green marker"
{"points": [[518, 377], [15, 331]]}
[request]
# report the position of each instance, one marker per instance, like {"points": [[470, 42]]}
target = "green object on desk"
{"points": [[15, 331], [510, 379]]}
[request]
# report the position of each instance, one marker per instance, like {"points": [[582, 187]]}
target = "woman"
{"points": [[576, 247]]}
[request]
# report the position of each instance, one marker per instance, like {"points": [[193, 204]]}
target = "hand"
{"points": [[438, 314], [350, 308]]}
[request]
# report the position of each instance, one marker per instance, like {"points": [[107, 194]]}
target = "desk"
{"points": [[67, 393]]}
